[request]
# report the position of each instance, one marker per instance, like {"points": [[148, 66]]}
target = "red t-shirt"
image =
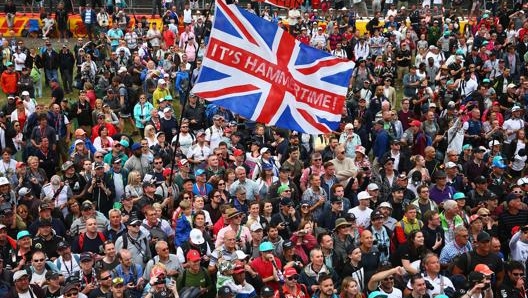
{"points": [[265, 269]]}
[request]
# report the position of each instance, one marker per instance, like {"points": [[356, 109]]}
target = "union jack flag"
{"points": [[256, 69]]}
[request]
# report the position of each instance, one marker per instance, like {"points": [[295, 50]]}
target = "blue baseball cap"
{"points": [[23, 234], [498, 163], [199, 172], [266, 246]]}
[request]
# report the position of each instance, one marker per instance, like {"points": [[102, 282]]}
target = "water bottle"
{"points": [[279, 273]]}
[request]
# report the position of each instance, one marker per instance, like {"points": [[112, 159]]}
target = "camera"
{"points": [[382, 247], [285, 223], [98, 180], [160, 281], [487, 285], [428, 285]]}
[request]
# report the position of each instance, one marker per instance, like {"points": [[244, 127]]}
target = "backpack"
{"points": [[143, 74], [155, 232], [452, 264], [184, 83], [82, 235], [428, 139]]}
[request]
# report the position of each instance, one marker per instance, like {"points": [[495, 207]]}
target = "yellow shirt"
{"points": [[157, 95]]}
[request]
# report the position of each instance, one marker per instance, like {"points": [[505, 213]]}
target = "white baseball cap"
{"points": [[196, 237], [364, 195]]}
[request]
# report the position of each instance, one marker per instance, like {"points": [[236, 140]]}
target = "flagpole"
{"points": [[187, 93]]}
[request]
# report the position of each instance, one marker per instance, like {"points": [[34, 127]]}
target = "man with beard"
{"points": [[23, 288], [138, 161], [74, 180]]}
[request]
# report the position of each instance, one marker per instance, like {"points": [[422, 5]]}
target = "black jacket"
{"points": [[67, 60], [50, 60]]}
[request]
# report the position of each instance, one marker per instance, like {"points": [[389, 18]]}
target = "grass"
{"points": [[46, 91]]}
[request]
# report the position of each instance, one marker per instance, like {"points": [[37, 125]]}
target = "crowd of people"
{"points": [[421, 191]]}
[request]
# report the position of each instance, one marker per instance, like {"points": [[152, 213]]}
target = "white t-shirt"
{"points": [[362, 216], [396, 293], [440, 283], [38, 279]]}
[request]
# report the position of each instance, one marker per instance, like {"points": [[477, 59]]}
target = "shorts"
{"points": [[124, 115]]}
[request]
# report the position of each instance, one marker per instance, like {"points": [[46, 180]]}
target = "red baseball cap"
{"points": [[166, 172], [415, 123], [290, 271], [239, 267], [238, 152], [193, 256], [484, 269], [182, 162]]}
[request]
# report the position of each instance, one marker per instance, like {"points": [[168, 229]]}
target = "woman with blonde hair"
{"points": [[23, 212], [150, 135], [489, 224], [133, 186], [110, 116], [98, 109], [350, 288], [419, 165]]}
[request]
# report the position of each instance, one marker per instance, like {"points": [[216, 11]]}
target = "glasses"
{"points": [[295, 277], [221, 184], [217, 196], [135, 225], [518, 274], [98, 156], [484, 215], [106, 277], [158, 162], [39, 260], [317, 159], [71, 294], [287, 190]]}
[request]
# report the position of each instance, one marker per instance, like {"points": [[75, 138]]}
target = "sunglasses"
{"points": [[294, 277], [39, 260], [106, 277], [71, 294]]}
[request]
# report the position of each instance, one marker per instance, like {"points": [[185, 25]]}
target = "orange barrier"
{"points": [[75, 24], [77, 28]]}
